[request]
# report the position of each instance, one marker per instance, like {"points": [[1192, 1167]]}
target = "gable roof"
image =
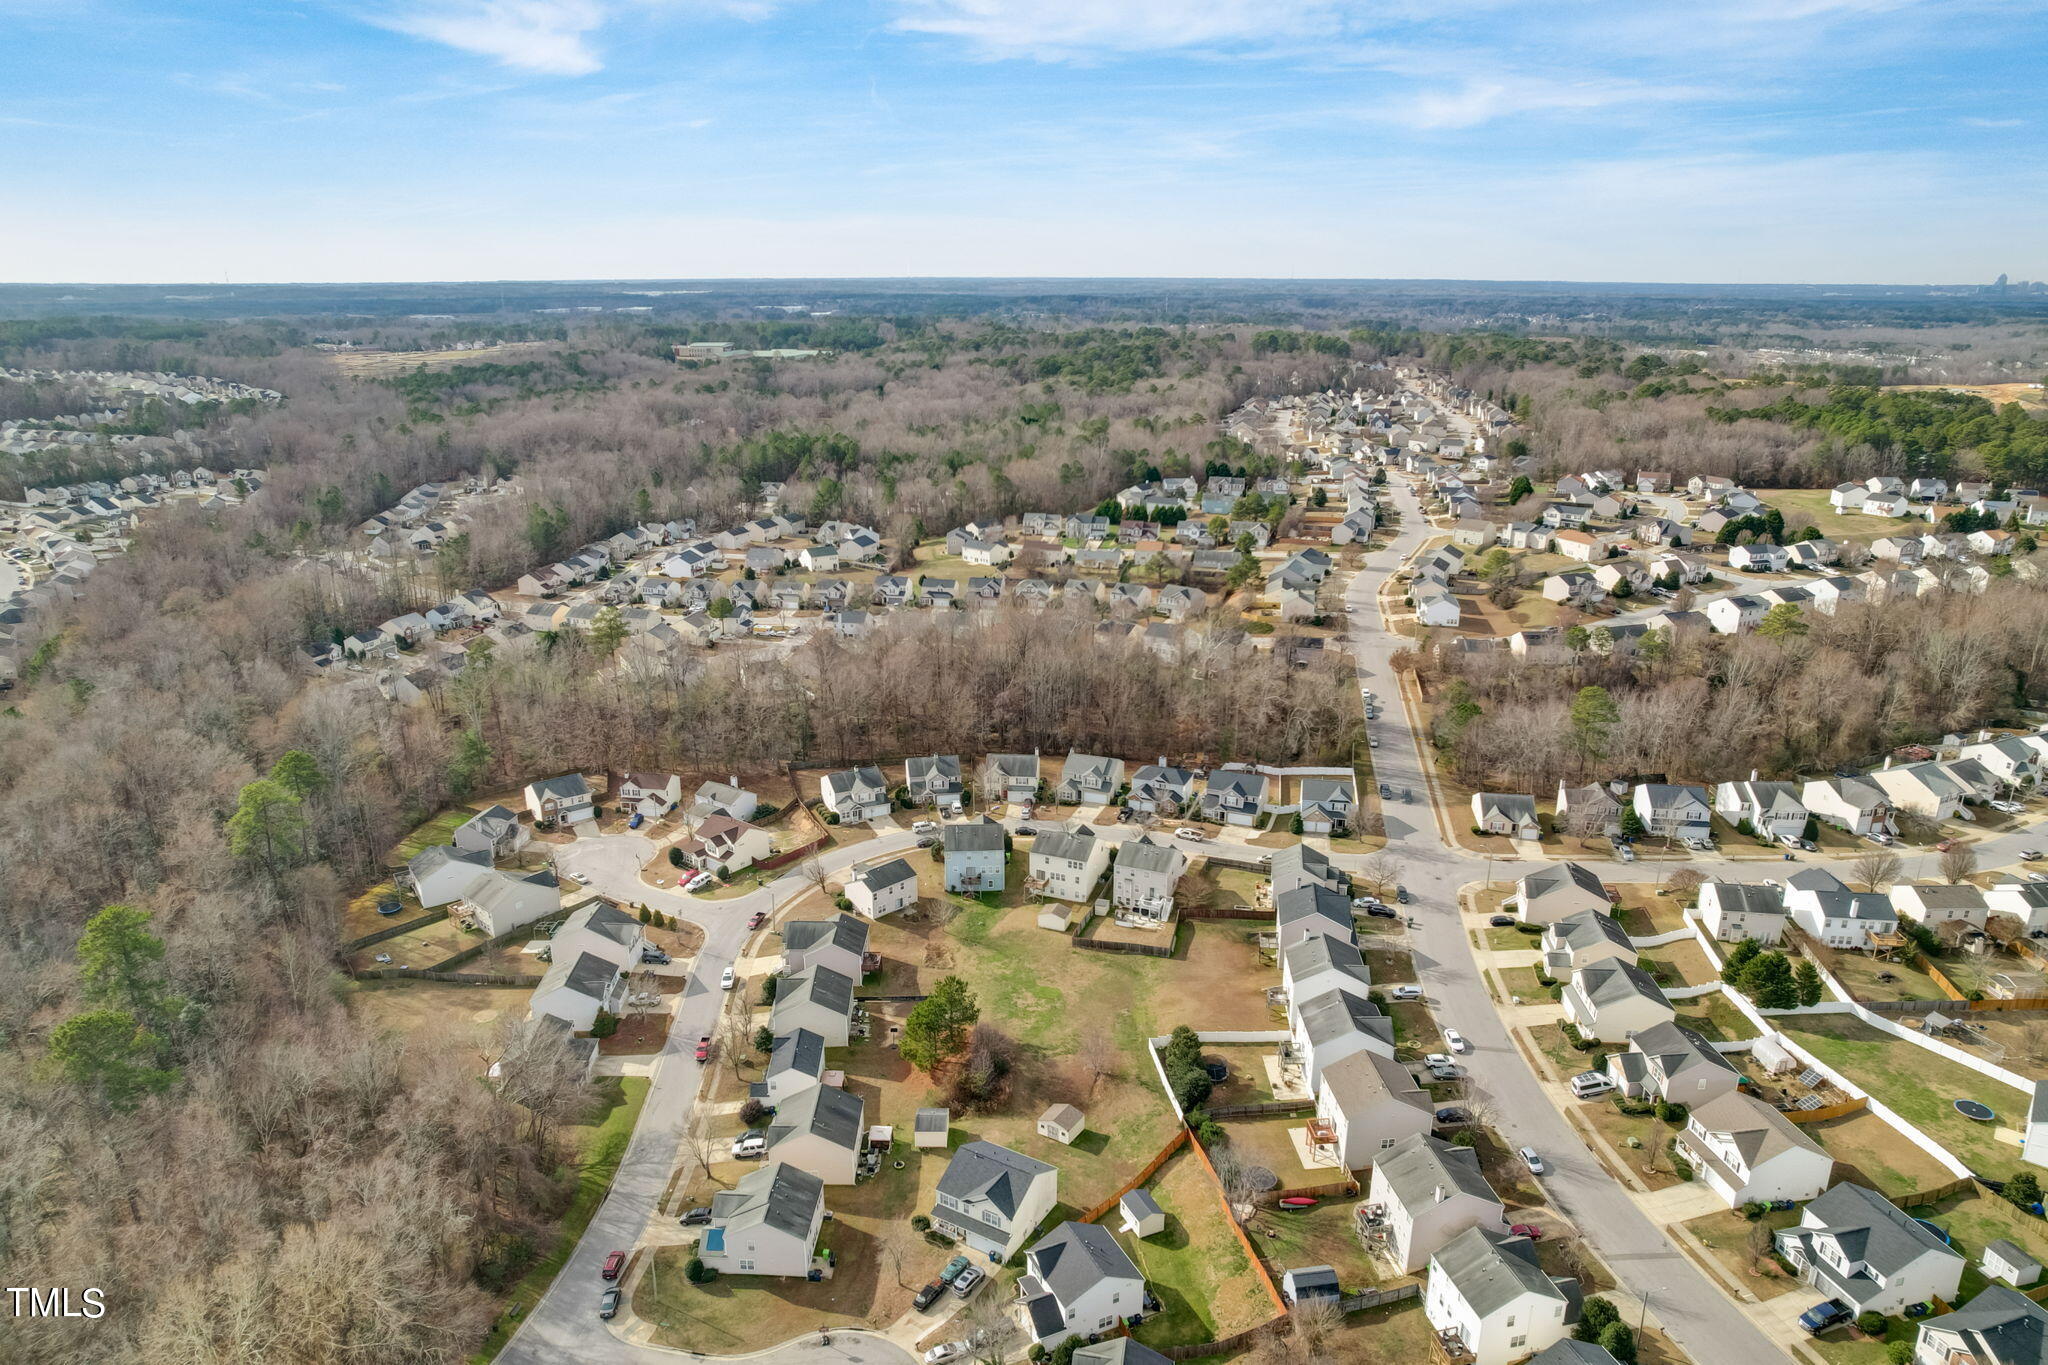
{"points": [[1074, 1257], [1318, 953], [819, 985], [1490, 1271], [2000, 1326], [820, 1111], [1069, 845], [1144, 854], [974, 836], [777, 1196], [985, 1171], [841, 931], [1757, 1130], [1338, 1013], [799, 1050], [604, 919], [1870, 1228], [1612, 981], [881, 876], [1421, 1168], [1589, 929]]}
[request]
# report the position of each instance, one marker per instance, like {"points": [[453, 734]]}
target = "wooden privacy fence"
{"points": [[1342, 1189], [1151, 1168], [394, 930], [1251, 1253], [455, 978], [1934, 1194], [1096, 945], [1226, 912], [1829, 1111], [1259, 1111]]}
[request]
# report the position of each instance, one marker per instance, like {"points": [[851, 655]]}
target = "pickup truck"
{"points": [[1822, 1316]]}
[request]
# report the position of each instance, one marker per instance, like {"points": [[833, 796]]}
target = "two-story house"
{"points": [[563, 800], [1855, 1245], [991, 1198], [1157, 789], [1749, 1153], [443, 873], [1733, 911], [1855, 804], [1077, 1282], [576, 988], [1327, 804], [1234, 796], [495, 831], [884, 888], [1424, 1192], [1365, 1103], [724, 845], [1673, 811], [1506, 813], [767, 1224], [1612, 999], [821, 1130], [1487, 1295], [1066, 864], [1317, 963], [1772, 809], [1552, 893], [1312, 909], [1671, 1062], [855, 795], [1090, 780], [975, 852], [1841, 919], [840, 943], [1581, 940], [820, 1000], [1145, 875], [935, 781], [1999, 1326], [1010, 778]]}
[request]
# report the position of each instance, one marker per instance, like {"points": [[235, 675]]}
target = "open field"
{"points": [[1196, 1267], [1916, 1083], [2026, 395], [385, 364], [447, 1014], [1834, 525]]}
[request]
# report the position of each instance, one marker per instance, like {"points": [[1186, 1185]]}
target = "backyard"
{"points": [[1196, 1267], [1889, 1164], [1921, 1086], [1714, 1017]]}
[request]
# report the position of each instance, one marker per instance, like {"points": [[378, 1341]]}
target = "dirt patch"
{"points": [[371, 364], [639, 1035]]}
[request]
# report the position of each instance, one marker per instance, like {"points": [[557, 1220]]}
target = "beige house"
{"points": [[1613, 999], [1365, 1104], [1426, 1192]]}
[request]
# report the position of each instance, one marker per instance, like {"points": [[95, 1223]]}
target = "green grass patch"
{"points": [[439, 830]]}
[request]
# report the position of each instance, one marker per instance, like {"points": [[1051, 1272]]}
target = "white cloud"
{"points": [[1482, 99], [550, 37], [1054, 29], [1996, 122]]}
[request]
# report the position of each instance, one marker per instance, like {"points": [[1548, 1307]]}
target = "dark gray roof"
{"points": [[1143, 854], [1815, 879], [777, 1195], [1119, 1351], [1139, 1204], [1546, 880], [1319, 953], [881, 876], [431, 860], [1490, 1271], [1298, 864], [1871, 1229], [1749, 899], [841, 931], [1677, 1049], [1572, 1351], [588, 975], [1419, 1166], [1074, 1257], [1336, 1013], [1589, 928], [799, 1050], [982, 1170], [974, 836], [567, 786], [1611, 980], [821, 985], [2000, 1326], [1067, 845], [823, 1111], [603, 918], [1312, 901]]}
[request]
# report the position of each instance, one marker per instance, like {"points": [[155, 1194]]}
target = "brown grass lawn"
{"points": [[1683, 963], [1323, 1235], [1567, 1060], [1196, 1267], [1267, 1143], [1975, 1220], [1860, 975], [421, 948], [454, 1017], [1889, 1164], [1395, 1335], [1522, 984], [1390, 966], [1918, 1084], [1714, 1018], [1643, 911], [1648, 1135], [1726, 1236]]}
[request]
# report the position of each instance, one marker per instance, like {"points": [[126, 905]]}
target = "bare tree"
{"points": [[1686, 881], [1313, 1324], [1099, 1055], [990, 1329], [1379, 874], [1877, 869], [1958, 862], [736, 1037]]}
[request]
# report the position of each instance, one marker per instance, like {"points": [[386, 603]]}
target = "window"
{"points": [[1517, 1342], [746, 1265], [1511, 1320], [1386, 1143]]}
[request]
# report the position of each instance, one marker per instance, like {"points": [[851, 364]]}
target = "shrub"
{"points": [[646, 915], [753, 1112], [1619, 1340], [939, 1239], [605, 1025], [696, 1272], [1596, 1315], [764, 1040], [1871, 1324], [920, 1223], [768, 985], [1207, 1131], [1899, 1352], [831, 817], [2024, 1189], [675, 856], [1667, 1112], [1753, 1211], [842, 902], [502, 1260]]}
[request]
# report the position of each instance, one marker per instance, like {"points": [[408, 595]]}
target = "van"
{"points": [[1587, 1084]]}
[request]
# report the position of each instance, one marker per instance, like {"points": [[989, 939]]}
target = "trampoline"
{"points": [[1971, 1109]]}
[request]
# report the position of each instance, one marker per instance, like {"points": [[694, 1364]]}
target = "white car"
{"points": [[1531, 1160], [1588, 1084], [923, 827], [580, 878], [1410, 992], [749, 1145], [698, 881], [1440, 1066], [1373, 741], [1455, 1041], [944, 1351], [727, 981], [2037, 876], [1191, 835], [2009, 807], [1878, 837]]}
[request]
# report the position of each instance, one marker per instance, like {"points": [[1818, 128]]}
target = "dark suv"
{"points": [[927, 1296]]}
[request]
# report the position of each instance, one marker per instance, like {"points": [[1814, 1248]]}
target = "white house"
{"points": [[1435, 605], [502, 901], [1612, 999], [1365, 1104], [1077, 1282], [1487, 1293], [1157, 788], [576, 987], [1855, 804], [1841, 919], [839, 943], [1671, 1062], [992, 1198], [1673, 811], [1583, 939], [650, 793], [1937, 905], [1066, 864], [1551, 893], [1334, 1025], [495, 831], [1506, 813], [601, 927], [443, 873], [1924, 788], [1425, 1192], [820, 1000], [767, 1224], [1318, 963], [796, 1062], [882, 888], [724, 845], [1750, 1153], [974, 853], [1855, 1245], [1999, 1326], [2008, 758], [1733, 911], [1733, 615], [2028, 901], [1147, 871], [1326, 804], [855, 795], [820, 1130], [935, 780], [1772, 809]]}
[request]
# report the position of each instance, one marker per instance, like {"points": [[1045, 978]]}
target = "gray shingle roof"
{"points": [[881, 876], [1612, 980], [822, 1111], [1319, 953], [1067, 845], [1074, 1257], [1119, 1351], [1337, 1013], [603, 918], [982, 1170], [820, 985], [1490, 1271], [777, 1196], [1589, 929], [1418, 1166], [588, 975], [1871, 1228], [799, 1050], [974, 836], [841, 931], [1143, 854], [2000, 1326], [431, 860]]}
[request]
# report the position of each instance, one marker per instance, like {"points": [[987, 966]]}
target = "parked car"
{"points": [[1401, 894], [1455, 1041], [1531, 1160], [1031, 832], [1189, 833], [1406, 992], [757, 919], [1378, 911], [1440, 1066], [580, 878], [608, 1304], [969, 1278], [654, 956], [1451, 1116], [704, 1048], [954, 1269], [923, 827], [1529, 1230], [1386, 792], [2009, 807], [926, 841], [2030, 855], [1879, 837], [637, 821], [1826, 1314], [944, 1351], [695, 1218], [1373, 741], [927, 1296], [749, 1145], [727, 980], [1944, 845], [1587, 1084], [1502, 921], [613, 1264]]}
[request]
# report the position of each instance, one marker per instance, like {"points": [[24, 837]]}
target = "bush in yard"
{"points": [[1596, 1315], [938, 853], [646, 915], [842, 903], [1667, 1112], [1207, 1131], [1753, 1211], [2024, 1189], [1063, 1354], [503, 1259], [753, 1112], [768, 985], [920, 1223], [938, 1239], [1182, 1061], [1871, 1324], [1464, 1138], [696, 1272], [1899, 1352], [1036, 1353], [675, 856], [764, 1040], [1619, 1341], [831, 817], [605, 1025]]}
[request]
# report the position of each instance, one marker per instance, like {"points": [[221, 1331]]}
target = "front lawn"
{"points": [[1642, 1142], [1727, 1235]]}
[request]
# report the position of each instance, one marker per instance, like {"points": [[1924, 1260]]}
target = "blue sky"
{"points": [[1726, 140]]}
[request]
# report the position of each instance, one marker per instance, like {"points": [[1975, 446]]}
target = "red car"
{"points": [[757, 919], [613, 1264], [704, 1048], [1944, 846], [1529, 1230]]}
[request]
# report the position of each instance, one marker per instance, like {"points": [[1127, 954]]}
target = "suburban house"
{"points": [[882, 888], [1855, 804], [840, 943], [992, 1198], [1999, 1326], [767, 1224], [1436, 605], [1326, 804], [495, 831], [820, 1130], [796, 1062], [1581, 940], [1318, 963], [1365, 1103], [1427, 1192], [724, 845], [1332, 1026], [1673, 812], [576, 987], [1672, 1063], [1593, 808], [1311, 909], [974, 852], [2026, 900], [501, 901], [1506, 813], [1066, 864], [601, 927], [1841, 919], [650, 794], [443, 873], [1734, 911], [1749, 1153], [1487, 1294], [723, 798], [935, 781], [1937, 905], [1297, 865], [1158, 790], [820, 1000], [1772, 809], [562, 800], [1549, 894], [1143, 880], [1077, 1282], [1855, 1245], [855, 795], [1611, 1000], [2009, 759], [1927, 789], [1009, 778], [1089, 780], [1234, 796]]}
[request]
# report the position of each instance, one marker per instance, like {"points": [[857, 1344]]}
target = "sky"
{"points": [[1746, 141]]}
